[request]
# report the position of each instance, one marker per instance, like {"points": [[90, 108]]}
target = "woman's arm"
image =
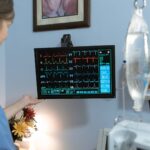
{"points": [[11, 110]]}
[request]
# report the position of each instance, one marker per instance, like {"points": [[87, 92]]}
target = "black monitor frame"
{"points": [[48, 51]]}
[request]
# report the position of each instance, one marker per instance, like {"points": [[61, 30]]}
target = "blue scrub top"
{"points": [[6, 141]]}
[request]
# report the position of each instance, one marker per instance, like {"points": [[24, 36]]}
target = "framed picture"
{"points": [[102, 143], [60, 14]]}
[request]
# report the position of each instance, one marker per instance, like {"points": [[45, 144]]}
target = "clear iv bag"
{"points": [[137, 57]]}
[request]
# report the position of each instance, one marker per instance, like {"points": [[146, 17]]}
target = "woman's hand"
{"points": [[20, 104], [29, 100]]}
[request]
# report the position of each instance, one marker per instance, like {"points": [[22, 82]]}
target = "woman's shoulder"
{"points": [[3, 115], [1, 109]]}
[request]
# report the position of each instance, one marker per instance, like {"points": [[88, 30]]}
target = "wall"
{"points": [[2, 76], [70, 124]]}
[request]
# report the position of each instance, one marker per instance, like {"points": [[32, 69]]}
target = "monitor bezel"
{"points": [[110, 95]]}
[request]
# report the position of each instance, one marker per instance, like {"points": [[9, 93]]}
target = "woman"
{"points": [[6, 141]]}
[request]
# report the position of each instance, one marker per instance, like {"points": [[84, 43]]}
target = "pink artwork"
{"points": [[59, 8], [60, 14]]}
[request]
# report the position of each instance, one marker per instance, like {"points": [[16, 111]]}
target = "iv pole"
{"points": [[137, 5], [129, 134]]}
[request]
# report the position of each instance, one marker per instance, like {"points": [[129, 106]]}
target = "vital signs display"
{"points": [[75, 72]]}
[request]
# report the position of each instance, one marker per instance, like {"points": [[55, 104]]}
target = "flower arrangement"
{"points": [[22, 125]]}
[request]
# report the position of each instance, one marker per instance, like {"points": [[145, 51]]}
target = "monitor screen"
{"points": [[75, 72]]}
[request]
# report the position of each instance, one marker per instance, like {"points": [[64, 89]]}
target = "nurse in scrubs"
{"points": [[6, 141]]}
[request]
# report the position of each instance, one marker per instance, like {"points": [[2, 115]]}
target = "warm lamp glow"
{"points": [[46, 137], [41, 141], [47, 123]]}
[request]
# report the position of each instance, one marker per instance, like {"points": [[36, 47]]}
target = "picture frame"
{"points": [[66, 16], [102, 143]]}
